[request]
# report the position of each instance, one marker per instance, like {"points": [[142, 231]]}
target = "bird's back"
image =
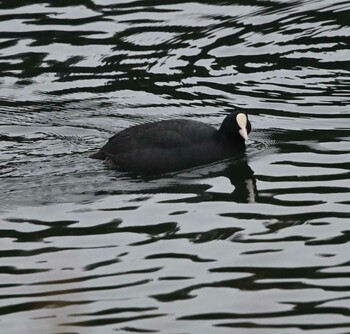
{"points": [[168, 134]]}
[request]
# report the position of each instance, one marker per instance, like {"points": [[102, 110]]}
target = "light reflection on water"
{"points": [[254, 244]]}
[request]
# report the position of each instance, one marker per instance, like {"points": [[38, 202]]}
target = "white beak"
{"points": [[244, 134]]}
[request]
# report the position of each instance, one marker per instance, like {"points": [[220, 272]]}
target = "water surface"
{"points": [[255, 244]]}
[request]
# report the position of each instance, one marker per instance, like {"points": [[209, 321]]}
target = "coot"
{"points": [[172, 145]]}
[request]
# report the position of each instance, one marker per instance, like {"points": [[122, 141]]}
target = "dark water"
{"points": [[256, 244]]}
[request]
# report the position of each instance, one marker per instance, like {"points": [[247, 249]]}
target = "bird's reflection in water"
{"points": [[208, 183], [242, 177], [205, 182]]}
